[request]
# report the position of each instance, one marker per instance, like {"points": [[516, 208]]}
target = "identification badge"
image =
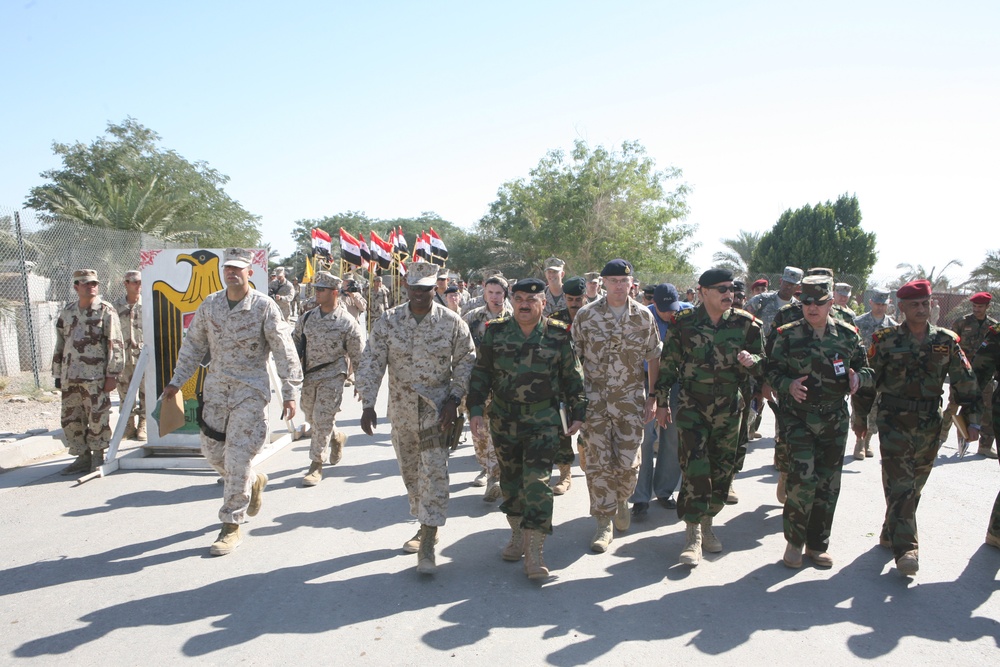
{"points": [[838, 367]]}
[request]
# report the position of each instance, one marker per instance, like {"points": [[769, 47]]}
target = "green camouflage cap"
{"points": [[816, 289]]}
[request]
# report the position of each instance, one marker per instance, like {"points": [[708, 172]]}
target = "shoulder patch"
{"points": [[882, 333], [499, 320], [950, 334], [558, 324], [789, 306], [785, 328], [681, 314]]}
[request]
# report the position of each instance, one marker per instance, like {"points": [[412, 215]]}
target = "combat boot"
{"points": [[691, 555], [480, 479], [859, 450], [986, 449], [96, 460], [623, 517], [908, 564], [733, 498], [603, 536], [129, 428], [425, 557], [337, 447], [534, 563], [515, 548], [493, 491], [565, 480], [80, 465], [412, 545], [780, 492], [257, 494], [709, 541], [140, 430], [229, 538], [314, 475], [793, 556]]}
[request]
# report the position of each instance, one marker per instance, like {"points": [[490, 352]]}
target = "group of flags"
{"points": [[377, 253]]}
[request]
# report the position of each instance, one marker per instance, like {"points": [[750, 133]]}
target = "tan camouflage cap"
{"points": [[85, 276], [592, 276], [421, 274], [327, 280], [554, 263], [241, 258], [133, 276]]}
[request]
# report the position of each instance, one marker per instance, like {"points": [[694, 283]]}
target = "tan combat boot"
{"points": [[515, 548], [425, 557], [140, 430], [493, 491], [987, 451], [80, 465], [623, 518], [691, 554], [603, 536], [793, 556], [709, 541], [96, 460], [732, 498], [412, 545], [908, 564], [780, 491], [534, 563], [257, 494], [229, 538], [337, 447], [565, 480], [129, 428], [314, 475], [859, 450]]}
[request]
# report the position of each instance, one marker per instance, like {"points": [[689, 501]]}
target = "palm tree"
{"points": [[740, 250], [937, 279], [986, 276]]}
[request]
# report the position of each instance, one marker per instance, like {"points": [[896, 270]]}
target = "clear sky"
{"points": [[394, 108]]}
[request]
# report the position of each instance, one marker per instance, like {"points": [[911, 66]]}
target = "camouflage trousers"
{"points": [[611, 448], [85, 415], [423, 463], [747, 416], [986, 436], [486, 455], [708, 439], [782, 457], [320, 404], [908, 444], [816, 444], [565, 454], [125, 379], [245, 425], [872, 423], [525, 454]]}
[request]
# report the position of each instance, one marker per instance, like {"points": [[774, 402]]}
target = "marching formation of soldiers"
{"points": [[534, 363]]}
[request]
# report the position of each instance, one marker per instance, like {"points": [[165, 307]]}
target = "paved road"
{"points": [[117, 571]]}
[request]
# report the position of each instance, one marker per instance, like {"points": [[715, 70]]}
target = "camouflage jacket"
{"points": [[472, 304], [986, 363], [867, 326], [428, 361], [88, 343], [792, 312], [380, 301], [765, 308], [908, 369], [971, 332], [240, 340], [331, 340], [478, 318], [612, 353], [701, 356], [797, 352], [552, 302], [130, 320], [542, 368]]}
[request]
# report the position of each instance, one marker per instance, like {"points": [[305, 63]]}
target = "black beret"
{"points": [[529, 285], [574, 286], [451, 289], [715, 276], [616, 267]]}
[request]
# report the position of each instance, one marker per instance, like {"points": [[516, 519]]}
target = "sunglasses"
{"points": [[421, 288], [809, 301], [87, 283], [721, 289]]}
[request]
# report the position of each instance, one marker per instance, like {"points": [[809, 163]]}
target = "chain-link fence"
{"points": [[38, 254]]}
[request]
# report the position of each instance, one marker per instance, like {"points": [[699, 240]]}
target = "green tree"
{"points": [[739, 252], [125, 179], [588, 207], [828, 235]]}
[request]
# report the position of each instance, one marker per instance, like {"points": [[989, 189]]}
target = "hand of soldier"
{"points": [[287, 410], [476, 424], [169, 392], [973, 434], [110, 383], [798, 389], [368, 420], [663, 417], [745, 358], [853, 381], [650, 412], [574, 428], [449, 412]]}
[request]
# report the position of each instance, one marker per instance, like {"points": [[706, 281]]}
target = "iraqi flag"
{"points": [[422, 251], [366, 255], [401, 246], [439, 251], [350, 249], [381, 251], [322, 243]]}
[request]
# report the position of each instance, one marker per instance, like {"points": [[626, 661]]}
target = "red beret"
{"points": [[981, 297], [760, 283], [915, 289]]}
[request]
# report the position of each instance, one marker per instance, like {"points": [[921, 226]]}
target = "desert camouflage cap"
{"points": [[327, 280], [133, 276], [421, 274], [85, 276], [592, 276], [554, 263], [241, 258]]}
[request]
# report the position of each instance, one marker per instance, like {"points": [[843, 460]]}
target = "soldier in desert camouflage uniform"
{"points": [[709, 350], [329, 340], [282, 292], [380, 300], [910, 363], [429, 353], [239, 328], [129, 309], [613, 336], [528, 365], [986, 366], [814, 363], [86, 363]]}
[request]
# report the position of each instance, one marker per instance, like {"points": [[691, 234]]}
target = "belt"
{"points": [[907, 405], [816, 408], [522, 408], [713, 388]]}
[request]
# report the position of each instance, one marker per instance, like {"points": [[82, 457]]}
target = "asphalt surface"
{"points": [[117, 571]]}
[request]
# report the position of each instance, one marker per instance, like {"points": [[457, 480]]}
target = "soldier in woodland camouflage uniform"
{"points": [[709, 350], [429, 353], [574, 294], [86, 363], [910, 363], [129, 309], [528, 365], [815, 362], [986, 366], [239, 328], [613, 336], [971, 330], [876, 318], [496, 306], [555, 271], [329, 339]]}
